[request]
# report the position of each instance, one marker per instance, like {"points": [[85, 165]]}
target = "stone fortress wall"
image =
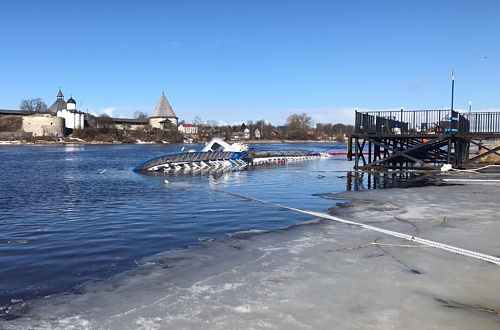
{"points": [[44, 125]]}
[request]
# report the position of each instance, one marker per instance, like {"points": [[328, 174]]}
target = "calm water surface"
{"points": [[64, 223]]}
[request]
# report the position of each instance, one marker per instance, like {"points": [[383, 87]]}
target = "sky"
{"points": [[233, 61]]}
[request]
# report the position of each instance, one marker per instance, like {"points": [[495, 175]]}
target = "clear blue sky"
{"points": [[237, 60]]}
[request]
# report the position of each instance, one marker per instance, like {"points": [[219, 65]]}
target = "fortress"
{"points": [[63, 117]]}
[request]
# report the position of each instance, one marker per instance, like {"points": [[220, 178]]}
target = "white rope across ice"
{"points": [[449, 248]]}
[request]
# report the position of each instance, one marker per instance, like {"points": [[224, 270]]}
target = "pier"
{"points": [[421, 139]]}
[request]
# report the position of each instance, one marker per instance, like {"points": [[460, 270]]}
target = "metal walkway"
{"points": [[421, 139]]}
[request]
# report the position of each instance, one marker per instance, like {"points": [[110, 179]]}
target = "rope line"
{"points": [[449, 248], [475, 170], [334, 146]]}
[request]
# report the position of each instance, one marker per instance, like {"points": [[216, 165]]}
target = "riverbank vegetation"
{"points": [[298, 127], [113, 135], [102, 129], [492, 158]]}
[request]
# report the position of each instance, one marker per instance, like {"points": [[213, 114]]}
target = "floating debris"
{"points": [[19, 242], [18, 310]]}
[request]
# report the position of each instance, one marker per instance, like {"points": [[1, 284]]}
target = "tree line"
{"points": [[297, 127]]}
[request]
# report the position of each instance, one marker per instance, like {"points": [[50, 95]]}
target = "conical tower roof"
{"points": [[163, 108], [59, 104]]}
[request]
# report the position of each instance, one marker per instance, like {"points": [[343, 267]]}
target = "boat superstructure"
{"points": [[220, 155], [279, 156]]}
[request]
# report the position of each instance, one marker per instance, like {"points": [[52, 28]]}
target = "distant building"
{"points": [[256, 133], [245, 135], [128, 123], [73, 118], [164, 116], [188, 129], [59, 104], [63, 117]]}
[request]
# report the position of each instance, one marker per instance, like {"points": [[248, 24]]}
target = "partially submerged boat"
{"points": [[220, 155]]}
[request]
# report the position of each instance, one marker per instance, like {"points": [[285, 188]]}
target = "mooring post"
{"points": [[369, 152], [356, 154], [349, 148]]}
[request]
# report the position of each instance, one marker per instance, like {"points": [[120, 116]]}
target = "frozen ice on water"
{"points": [[320, 276]]}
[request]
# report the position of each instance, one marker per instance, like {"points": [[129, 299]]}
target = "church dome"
{"points": [[71, 100]]}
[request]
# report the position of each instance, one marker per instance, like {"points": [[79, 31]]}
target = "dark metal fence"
{"points": [[484, 122], [425, 122]]}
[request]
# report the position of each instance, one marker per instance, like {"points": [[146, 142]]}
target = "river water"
{"points": [[123, 250], [65, 224]]}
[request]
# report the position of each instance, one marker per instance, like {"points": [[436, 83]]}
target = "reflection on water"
{"points": [[72, 148], [357, 181]]}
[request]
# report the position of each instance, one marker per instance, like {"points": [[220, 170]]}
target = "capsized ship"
{"points": [[220, 155]]}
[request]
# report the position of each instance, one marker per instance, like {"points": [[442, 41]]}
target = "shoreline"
{"points": [[41, 142], [315, 276]]}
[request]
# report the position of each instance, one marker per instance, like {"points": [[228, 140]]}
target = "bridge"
{"points": [[422, 139]]}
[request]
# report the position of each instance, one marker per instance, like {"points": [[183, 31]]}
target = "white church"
{"points": [[73, 118]]}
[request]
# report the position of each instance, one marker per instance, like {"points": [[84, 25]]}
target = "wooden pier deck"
{"points": [[421, 139]]}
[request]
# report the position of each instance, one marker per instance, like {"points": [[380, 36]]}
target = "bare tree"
{"points": [[140, 115], [211, 123], [103, 122], [33, 105], [297, 126], [197, 121]]}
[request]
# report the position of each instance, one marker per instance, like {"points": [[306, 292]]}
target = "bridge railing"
{"points": [[411, 122], [484, 122]]}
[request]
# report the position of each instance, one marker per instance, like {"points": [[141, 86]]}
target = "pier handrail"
{"points": [[484, 122], [417, 122]]}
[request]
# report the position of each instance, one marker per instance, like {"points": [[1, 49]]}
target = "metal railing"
{"points": [[422, 122], [484, 122]]}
